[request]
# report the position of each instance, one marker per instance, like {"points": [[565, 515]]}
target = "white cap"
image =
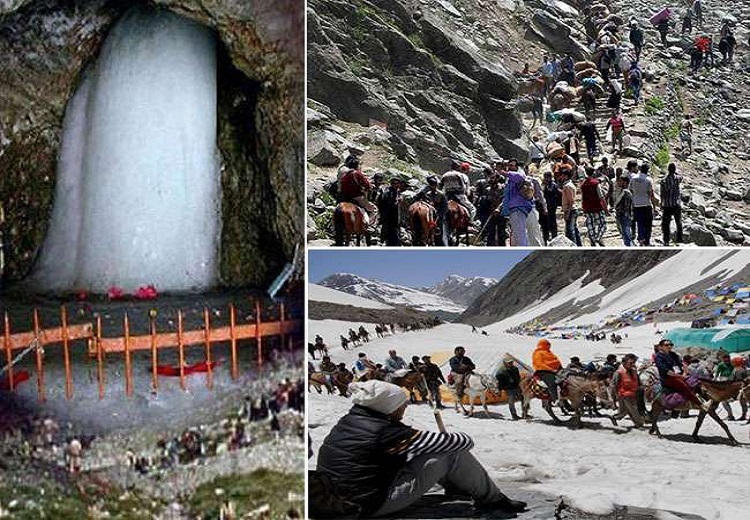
{"points": [[377, 395]]}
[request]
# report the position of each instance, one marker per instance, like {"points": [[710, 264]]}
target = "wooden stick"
{"points": [[66, 353], [282, 336], [207, 328], [99, 357], [8, 351], [181, 348], [233, 340], [39, 359], [128, 382]]}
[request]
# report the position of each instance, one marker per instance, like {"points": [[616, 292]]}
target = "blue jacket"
{"points": [[666, 362], [513, 200]]}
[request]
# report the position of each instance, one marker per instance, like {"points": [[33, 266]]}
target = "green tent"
{"points": [[729, 339]]}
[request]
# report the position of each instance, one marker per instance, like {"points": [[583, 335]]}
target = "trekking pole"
{"points": [[439, 419]]}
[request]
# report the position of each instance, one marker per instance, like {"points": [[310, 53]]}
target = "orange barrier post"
{"points": [[258, 337], [154, 352], [282, 336], [207, 329], [128, 382], [233, 339], [181, 348], [8, 351], [39, 360], [66, 353], [99, 357]]}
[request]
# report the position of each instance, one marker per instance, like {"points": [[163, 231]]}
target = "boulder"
{"points": [[320, 150], [701, 236], [734, 235], [558, 34], [561, 241]]}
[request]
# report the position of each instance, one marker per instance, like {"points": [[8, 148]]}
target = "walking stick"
{"points": [[439, 419]]}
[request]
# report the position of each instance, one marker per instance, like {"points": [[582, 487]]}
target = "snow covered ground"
{"points": [[595, 467], [318, 293]]}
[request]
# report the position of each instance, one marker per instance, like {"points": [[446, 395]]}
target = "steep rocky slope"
{"points": [[507, 34]]}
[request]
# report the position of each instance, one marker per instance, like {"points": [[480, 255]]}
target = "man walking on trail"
{"points": [[618, 130], [508, 379], [594, 203], [636, 38], [591, 136], [518, 202], [686, 134], [383, 466], [461, 367], [570, 214], [642, 187], [697, 10], [388, 205], [552, 195], [635, 81], [624, 210], [433, 377], [671, 203]]}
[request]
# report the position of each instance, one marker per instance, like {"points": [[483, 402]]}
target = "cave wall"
{"points": [[45, 46]]}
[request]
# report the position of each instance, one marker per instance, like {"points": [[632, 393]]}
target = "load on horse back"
{"points": [[574, 388], [349, 223], [422, 221], [717, 392], [475, 385], [458, 222]]}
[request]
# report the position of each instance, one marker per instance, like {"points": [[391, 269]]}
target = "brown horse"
{"points": [[410, 381], [458, 222], [423, 220], [575, 389], [717, 392], [318, 380], [348, 223], [531, 87]]}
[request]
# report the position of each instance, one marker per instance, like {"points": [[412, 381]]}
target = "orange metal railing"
{"points": [[98, 347]]}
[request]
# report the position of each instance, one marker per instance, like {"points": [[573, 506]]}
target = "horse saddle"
{"points": [[540, 390]]}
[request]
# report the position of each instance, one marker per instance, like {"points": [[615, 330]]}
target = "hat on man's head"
{"points": [[376, 395]]}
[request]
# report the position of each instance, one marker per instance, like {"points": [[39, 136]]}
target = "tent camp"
{"points": [[728, 339]]}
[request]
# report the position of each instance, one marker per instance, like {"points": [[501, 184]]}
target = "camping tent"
{"points": [[729, 339]]}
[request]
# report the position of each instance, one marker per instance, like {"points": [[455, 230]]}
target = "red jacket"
{"points": [[590, 199], [628, 384], [354, 184]]}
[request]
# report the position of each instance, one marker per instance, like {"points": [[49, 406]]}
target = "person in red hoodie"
{"points": [[594, 203], [546, 365], [354, 187]]}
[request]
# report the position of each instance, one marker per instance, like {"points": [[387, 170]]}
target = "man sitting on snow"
{"points": [[383, 466]]}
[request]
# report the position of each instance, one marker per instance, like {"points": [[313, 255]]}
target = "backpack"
{"points": [[527, 190], [634, 76]]}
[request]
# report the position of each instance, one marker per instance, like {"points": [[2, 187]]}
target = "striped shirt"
{"points": [[422, 442], [624, 203], [670, 191]]}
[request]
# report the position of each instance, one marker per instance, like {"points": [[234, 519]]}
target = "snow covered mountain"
{"points": [[460, 289], [392, 294], [569, 288]]}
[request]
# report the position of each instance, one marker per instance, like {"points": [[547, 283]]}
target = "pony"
{"points": [[475, 385], [575, 388], [422, 221], [458, 222], [348, 223], [716, 391]]}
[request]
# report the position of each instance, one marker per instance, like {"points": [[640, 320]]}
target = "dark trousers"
{"points": [[644, 222], [496, 230], [389, 233], [550, 379], [549, 224], [666, 220], [434, 389]]}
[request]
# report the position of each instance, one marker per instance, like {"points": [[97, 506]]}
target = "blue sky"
{"points": [[412, 268]]}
